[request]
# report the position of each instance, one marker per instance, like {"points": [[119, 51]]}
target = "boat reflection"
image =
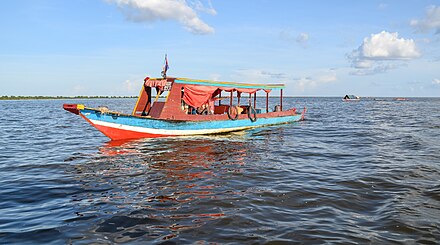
{"points": [[117, 147], [161, 186]]}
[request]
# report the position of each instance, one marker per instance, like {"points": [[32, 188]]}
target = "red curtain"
{"points": [[196, 95]]}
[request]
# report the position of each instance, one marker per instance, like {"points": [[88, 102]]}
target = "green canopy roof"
{"points": [[228, 84]]}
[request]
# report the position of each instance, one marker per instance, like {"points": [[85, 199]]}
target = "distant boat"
{"points": [[401, 99], [351, 97]]}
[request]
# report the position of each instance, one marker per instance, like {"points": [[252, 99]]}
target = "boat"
{"points": [[348, 98], [185, 106], [401, 99]]}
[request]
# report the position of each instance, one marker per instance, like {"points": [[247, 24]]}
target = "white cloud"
{"points": [[374, 68], [386, 45], [200, 7], [362, 64], [303, 83], [431, 21], [258, 76], [376, 53], [178, 10], [436, 81], [309, 82], [301, 39], [130, 86]]}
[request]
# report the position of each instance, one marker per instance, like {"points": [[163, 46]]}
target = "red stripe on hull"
{"points": [[121, 134]]}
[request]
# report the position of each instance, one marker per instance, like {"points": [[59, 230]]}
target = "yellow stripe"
{"points": [[156, 78], [157, 96], [139, 98], [166, 99]]}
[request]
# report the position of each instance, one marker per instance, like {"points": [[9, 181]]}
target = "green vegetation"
{"points": [[40, 97], [4, 97]]}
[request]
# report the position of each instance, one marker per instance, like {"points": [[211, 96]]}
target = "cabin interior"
{"points": [[154, 97]]}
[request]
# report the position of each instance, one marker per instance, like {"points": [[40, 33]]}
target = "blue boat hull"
{"points": [[119, 127]]}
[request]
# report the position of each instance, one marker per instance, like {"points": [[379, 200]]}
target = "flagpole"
{"points": [[165, 67]]}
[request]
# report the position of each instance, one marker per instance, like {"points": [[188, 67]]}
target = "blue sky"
{"points": [[318, 48]]}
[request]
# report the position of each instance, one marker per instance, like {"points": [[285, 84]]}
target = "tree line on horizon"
{"points": [[41, 97]]}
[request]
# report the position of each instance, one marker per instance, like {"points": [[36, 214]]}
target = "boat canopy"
{"points": [[199, 92], [236, 86], [154, 82]]}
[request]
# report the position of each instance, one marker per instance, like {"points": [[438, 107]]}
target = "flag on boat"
{"points": [[165, 68]]}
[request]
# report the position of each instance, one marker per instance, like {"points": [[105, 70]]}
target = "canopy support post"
{"points": [[238, 97], [220, 98], [255, 99], [230, 101], [267, 102], [281, 100], [147, 106]]}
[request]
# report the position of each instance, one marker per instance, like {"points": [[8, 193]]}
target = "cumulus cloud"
{"points": [[301, 39], [160, 10], [436, 81], [386, 45], [202, 8], [431, 21], [255, 75], [375, 68], [275, 75], [308, 82], [377, 52], [130, 86]]}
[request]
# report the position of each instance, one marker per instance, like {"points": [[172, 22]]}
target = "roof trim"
{"points": [[228, 84]]}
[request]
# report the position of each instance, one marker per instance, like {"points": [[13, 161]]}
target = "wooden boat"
{"points": [[188, 107], [401, 99], [348, 98]]}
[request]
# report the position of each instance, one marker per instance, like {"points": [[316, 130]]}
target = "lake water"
{"points": [[366, 172]]}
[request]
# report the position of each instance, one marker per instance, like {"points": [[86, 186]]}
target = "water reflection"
{"points": [[155, 188], [366, 174]]}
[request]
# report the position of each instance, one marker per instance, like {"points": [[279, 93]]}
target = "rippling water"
{"points": [[366, 172]]}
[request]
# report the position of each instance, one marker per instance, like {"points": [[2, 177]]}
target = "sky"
{"points": [[316, 47]]}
